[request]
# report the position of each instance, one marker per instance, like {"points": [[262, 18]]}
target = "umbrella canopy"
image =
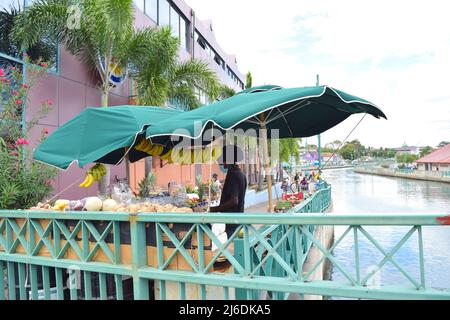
{"points": [[295, 112], [100, 135], [266, 87]]}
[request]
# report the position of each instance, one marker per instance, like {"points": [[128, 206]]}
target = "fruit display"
{"points": [[151, 207], [61, 204], [283, 206], [94, 174], [96, 204]]}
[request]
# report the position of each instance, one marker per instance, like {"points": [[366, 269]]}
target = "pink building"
{"points": [[73, 88], [438, 160]]}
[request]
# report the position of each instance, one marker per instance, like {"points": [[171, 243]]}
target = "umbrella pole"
{"points": [[127, 167], [266, 163]]}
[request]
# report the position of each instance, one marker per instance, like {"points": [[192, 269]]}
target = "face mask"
{"points": [[222, 168]]}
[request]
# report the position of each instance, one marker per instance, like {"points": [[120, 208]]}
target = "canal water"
{"points": [[360, 193]]}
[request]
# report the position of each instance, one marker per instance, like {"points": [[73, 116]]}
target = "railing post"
{"points": [[139, 258], [241, 294]]}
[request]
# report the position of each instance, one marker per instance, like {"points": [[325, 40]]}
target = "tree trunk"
{"points": [[105, 181], [258, 172]]}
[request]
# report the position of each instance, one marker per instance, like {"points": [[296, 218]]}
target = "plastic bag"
{"points": [[121, 192]]}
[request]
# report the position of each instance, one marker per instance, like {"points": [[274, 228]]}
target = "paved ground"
{"points": [[259, 208]]}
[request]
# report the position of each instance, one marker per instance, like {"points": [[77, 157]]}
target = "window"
{"points": [[201, 41], [175, 23], [164, 13], [151, 9], [139, 4], [184, 34]]}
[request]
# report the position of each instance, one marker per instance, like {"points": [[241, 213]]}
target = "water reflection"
{"points": [[358, 193]]}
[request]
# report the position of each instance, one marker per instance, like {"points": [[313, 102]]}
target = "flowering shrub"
{"points": [[23, 181]]}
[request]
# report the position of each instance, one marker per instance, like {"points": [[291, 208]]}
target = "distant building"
{"points": [[405, 149], [310, 156], [331, 159], [438, 160]]}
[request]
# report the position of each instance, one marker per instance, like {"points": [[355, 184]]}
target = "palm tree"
{"points": [[226, 92], [99, 33], [176, 83], [249, 80], [289, 147]]}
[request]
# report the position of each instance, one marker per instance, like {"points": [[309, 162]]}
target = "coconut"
{"points": [[109, 205], [93, 204]]}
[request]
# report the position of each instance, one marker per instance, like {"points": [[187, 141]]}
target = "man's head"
{"points": [[231, 155], [215, 176]]}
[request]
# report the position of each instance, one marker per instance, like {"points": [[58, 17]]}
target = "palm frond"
{"points": [[226, 92], [196, 74]]}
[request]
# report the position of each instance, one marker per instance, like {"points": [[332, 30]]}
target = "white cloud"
{"points": [[393, 53]]}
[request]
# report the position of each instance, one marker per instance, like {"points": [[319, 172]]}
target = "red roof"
{"points": [[441, 155]]}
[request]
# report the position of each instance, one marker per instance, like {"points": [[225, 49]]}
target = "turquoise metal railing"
{"points": [[101, 255]]}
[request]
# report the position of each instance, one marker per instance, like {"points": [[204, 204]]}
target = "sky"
{"points": [[395, 54]]}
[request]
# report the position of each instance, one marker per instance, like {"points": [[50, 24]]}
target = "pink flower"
{"points": [[43, 65], [25, 86], [45, 131], [15, 92], [2, 72], [50, 102], [18, 101], [22, 141]]}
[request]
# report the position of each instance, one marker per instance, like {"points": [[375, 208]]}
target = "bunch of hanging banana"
{"points": [[152, 149], [208, 155], [167, 156], [94, 174]]}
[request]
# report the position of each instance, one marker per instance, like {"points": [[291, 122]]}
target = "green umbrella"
{"points": [[100, 135], [295, 112], [267, 87]]}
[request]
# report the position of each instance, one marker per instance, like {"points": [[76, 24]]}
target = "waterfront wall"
{"points": [[325, 234], [416, 175]]}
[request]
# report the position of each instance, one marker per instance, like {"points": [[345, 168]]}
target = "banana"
{"points": [[160, 150], [90, 181], [153, 150], [84, 182], [166, 155], [96, 174], [140, 146], [206, 155], [197, 155], [148, 148], [216, 153]]}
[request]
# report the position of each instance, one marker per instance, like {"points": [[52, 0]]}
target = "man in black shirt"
{"points": [[235, 186]]}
